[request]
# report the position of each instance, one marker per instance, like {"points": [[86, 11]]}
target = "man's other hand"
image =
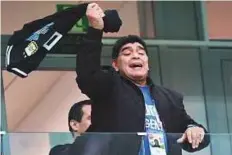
{"points": [[95, 16], [194, 135]]}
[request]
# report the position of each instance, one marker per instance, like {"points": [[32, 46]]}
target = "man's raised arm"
{"points": [[90, 79]]}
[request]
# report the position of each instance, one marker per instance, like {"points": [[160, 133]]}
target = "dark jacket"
{"points": [[60, 150], [87, 144], [119, 103]]}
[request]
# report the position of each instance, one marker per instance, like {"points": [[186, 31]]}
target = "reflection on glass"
{"points": [[219, 20], [128, 12], [137, 18], [18, 13], [29, 101]]}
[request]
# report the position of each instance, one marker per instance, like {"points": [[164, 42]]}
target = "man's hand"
{"points": [[95, 16], [194, 135]]}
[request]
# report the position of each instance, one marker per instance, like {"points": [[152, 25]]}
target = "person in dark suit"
{"points": [[79, 120], [125, 100]]}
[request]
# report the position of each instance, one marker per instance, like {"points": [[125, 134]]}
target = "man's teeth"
{"points": [[136, 65]]}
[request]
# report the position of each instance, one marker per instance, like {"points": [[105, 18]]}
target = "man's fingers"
{"points": [[102, 14], [94, 14], [98, 8], [194, 139], [94, 11], [189, 136], [197, 142], [92, 5], [199, 138], [195, 136], [181, 139], [95, 7], [202, 135]]}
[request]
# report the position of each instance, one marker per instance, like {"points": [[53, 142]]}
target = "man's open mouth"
{"points": [[136, 65]]}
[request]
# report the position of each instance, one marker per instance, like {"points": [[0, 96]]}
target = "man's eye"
{"points": [[126, 53]]}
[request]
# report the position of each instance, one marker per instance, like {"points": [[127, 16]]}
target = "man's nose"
{"points": [[135, 55]]}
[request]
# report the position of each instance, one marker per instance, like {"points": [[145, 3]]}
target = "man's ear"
{"points": [[115, 65], [74, 125]]}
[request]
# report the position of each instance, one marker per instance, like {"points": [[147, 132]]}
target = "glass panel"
{"points": [[181, 72], [31, 99], [219, 20], [128, 11], [177, 20], [18, 13], [102, 143], [146, 18]]}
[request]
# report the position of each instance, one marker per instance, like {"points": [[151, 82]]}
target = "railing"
{"points": [[182, 43], [103, 144]]}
